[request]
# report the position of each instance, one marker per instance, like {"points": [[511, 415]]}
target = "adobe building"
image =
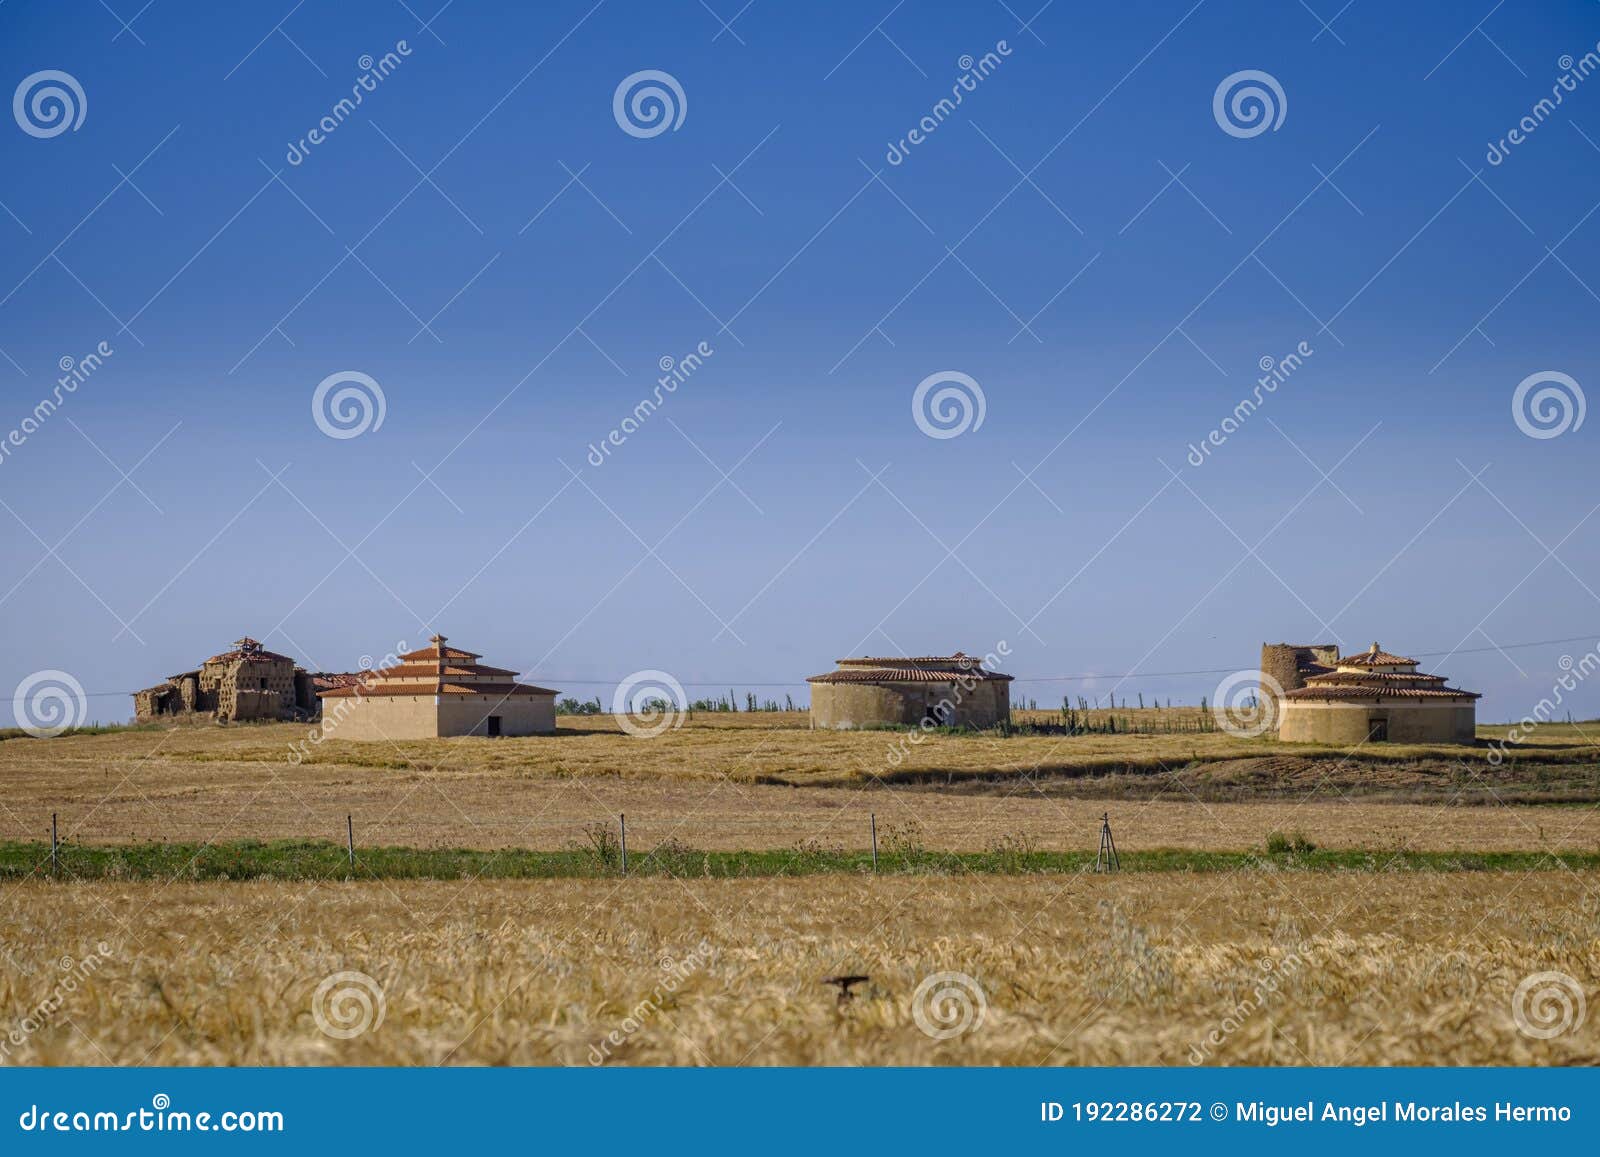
{"points": [[437, 691], [939, 691], [247, 682], [1376, 697]]}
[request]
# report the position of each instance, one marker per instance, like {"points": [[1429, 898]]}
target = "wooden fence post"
{"points": [[874, 841], [55, 848], [350, 839], [623, 824]]}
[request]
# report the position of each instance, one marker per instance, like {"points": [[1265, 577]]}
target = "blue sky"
{"points": [[1080, 237]]}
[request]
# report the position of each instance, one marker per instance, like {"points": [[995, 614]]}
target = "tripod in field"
{"points": [[1106, 860]]}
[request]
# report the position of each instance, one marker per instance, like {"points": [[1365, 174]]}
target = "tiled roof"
{"points": [[923, 669], [960, 657], [248, 648], [324, 679], [1377, 679], [1361, 691], [433, 687], [416, 670], [432, 653], [1374, 684], [1376, 657]]}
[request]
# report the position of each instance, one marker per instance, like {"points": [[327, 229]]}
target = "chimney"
{"points": [[438, 641]]}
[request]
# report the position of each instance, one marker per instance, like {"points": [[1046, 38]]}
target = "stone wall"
{"points": [[397, 717], [842, 706], [1346, 724]]}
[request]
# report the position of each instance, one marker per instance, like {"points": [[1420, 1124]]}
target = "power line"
{"points": [[1085, 677]]}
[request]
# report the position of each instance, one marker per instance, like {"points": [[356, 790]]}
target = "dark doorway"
{"points": [[494, 726], [1378, 731]]}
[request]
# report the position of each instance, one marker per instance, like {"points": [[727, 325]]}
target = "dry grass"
{"points": [[725, 782], [1375, 969]]}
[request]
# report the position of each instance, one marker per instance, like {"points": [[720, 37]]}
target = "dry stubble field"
{"points": [[766, 781], [1283, 966], [1132, 969]]}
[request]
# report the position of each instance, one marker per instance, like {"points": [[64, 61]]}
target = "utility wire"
{"points": [[742, 683]]}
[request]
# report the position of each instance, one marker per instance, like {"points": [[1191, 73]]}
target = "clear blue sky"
{"points": [[1111, 313]]}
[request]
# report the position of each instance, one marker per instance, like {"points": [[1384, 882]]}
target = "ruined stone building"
{"points": [[1288, 665], [247, 682]]}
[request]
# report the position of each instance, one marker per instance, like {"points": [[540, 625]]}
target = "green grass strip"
{"points": [[317, 860]]}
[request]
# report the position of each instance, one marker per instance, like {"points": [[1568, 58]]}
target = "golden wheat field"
{"points": [[1258, 967], [753, 781]]}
